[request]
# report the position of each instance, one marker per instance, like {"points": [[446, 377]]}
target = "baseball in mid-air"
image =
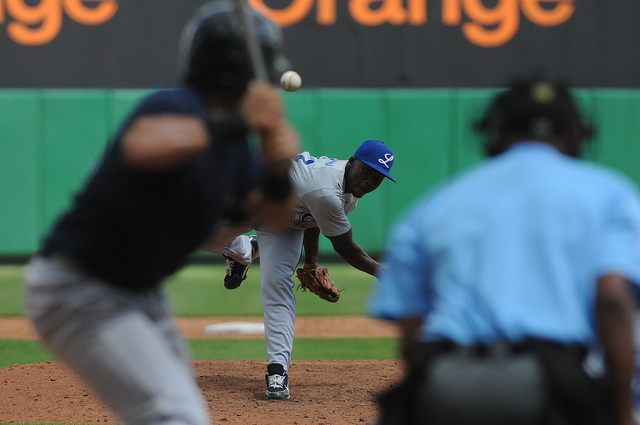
{"points": [[291, 81]]}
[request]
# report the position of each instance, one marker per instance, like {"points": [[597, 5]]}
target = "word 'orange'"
{"points": [[489, 26]]}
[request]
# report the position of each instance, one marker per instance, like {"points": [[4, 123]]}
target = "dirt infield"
{"points": [[193, 327], [331, 392]]}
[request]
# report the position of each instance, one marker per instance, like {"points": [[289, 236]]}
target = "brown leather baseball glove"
{"points": [[319, 282]]}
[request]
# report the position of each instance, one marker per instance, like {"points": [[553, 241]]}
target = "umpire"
{"points": [[505, 276]]}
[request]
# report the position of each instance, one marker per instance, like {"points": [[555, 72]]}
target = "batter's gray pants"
{"points": [[125, 345]]}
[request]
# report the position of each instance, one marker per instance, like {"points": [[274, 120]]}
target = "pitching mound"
{"points": [[331, 392]]}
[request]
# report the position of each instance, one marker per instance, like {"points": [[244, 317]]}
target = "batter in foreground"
{"points": [[93, 292]]}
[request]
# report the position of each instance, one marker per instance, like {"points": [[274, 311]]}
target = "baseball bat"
{"points": [[251, 40]]}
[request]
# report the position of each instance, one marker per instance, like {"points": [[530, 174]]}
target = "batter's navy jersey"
{"points": [[133, 228], [512, 249]]}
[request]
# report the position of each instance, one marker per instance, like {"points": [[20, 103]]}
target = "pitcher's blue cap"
{"points": [[376, 155]]}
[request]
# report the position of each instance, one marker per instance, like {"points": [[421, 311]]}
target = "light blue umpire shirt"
{"points": [[512, 249]]}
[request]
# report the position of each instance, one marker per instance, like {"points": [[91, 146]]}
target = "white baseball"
{"points": [[291, 81]]}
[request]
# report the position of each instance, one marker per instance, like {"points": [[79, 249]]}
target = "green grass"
{"points": [[24, 352], [303, 349], [11, 290], [13, 351], [198, 291]]}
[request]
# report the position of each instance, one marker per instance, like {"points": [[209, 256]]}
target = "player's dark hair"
{"points": [[213, 56], [534, 109]]}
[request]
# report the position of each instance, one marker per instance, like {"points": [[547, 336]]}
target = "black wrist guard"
{"points": [[226, 126], [277, 188]]}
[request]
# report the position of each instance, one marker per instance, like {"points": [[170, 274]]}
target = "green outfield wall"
{"points": [[52, 138]]}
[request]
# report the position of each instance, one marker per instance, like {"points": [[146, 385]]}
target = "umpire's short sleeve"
{"points": [[621, 247]]}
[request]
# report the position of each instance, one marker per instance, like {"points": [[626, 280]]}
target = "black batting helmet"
{"points": [[213, 53], [533, 108]]}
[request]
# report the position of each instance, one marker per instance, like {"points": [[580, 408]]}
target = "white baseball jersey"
{"points": [[320, 198]]}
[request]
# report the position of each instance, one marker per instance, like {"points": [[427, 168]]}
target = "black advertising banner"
{"points": [[331, 43]]}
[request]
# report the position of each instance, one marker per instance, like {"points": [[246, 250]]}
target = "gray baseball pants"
{"points": [[279, 256], [125, 345]]}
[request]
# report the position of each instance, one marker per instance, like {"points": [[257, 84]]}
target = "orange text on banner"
{"points": [[484, 26], [488, 26], [40, 24]]}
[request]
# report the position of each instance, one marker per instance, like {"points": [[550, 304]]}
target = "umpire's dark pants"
{"points": [[534, 383]]}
